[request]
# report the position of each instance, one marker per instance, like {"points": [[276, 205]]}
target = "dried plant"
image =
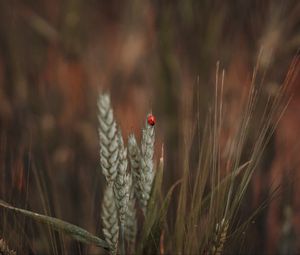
{"points": [[220, 236]]}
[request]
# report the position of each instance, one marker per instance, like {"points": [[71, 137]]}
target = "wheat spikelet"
{"points": [[109, 146], [110, 220], [147, 173], [122, 182], [220, 237], [135, 162], [4, 249], [131, 222]]}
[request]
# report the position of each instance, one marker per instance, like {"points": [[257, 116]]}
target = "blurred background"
{"points": [[56, 56]]}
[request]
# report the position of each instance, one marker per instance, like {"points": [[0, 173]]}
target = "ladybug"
{"points": [[151, 120]]}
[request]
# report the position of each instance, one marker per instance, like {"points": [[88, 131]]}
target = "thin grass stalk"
{"points": [[214, 134], [201, 179], [238, 144], [273, 111], [180, 223], [122, 237], [41, 184]]}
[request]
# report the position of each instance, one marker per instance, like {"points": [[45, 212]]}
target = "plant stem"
{"points": [[122, 235]]}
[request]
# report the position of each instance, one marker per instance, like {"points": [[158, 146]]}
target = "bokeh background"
{"points": [[55, 57]]}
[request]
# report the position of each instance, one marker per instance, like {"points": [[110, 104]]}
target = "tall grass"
{"points": [[139, 218], [210, 196]]}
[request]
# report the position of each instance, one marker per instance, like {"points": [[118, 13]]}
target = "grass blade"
{"points": [[74, 231]]}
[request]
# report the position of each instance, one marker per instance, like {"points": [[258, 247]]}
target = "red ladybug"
{"points": [[151, 120]]}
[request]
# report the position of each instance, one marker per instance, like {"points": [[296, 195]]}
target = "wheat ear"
{"points": [[147, 173], [122, 182], [131, 222], [110, 220], [135, 163], [220, 237], [4, 249], [121, 190], [109, 145]]}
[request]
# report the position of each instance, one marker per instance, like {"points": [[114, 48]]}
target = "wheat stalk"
{"points": [[121, 189], [131, 222], [119, 202], [110, 220], [109, 145], [147, 173], [4, 248], [220, 237], [122, 182], [135, 162], [142, 164]]}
